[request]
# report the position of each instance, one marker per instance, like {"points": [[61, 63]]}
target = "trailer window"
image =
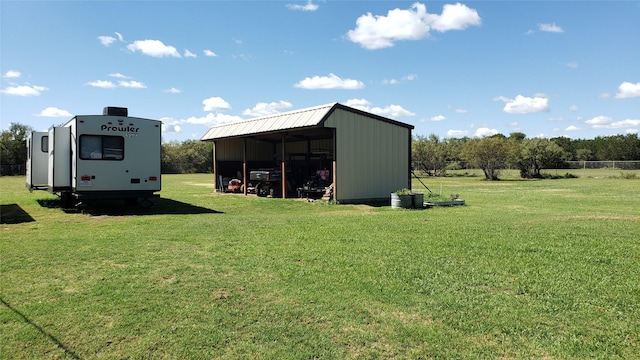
{"points": [[44, 144], [101, 147]]}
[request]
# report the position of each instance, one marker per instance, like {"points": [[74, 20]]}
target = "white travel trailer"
{"points": [[108, 156]]}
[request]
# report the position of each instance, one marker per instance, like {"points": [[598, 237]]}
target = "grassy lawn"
{"points": [[527, 269]]}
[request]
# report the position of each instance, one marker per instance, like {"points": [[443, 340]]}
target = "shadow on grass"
{"points": [[14, 214], [161, 206], [46, 334]]}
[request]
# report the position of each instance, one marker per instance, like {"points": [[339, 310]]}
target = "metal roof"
{"points": [[308, 117], [302, 118]]}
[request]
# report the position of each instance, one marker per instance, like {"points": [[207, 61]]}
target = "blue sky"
{"points": [[475, 68]]}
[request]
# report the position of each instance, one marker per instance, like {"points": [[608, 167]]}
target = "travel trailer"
{"points": [[90, 157]]}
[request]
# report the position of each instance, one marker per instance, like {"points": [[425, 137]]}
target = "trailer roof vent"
{"points": [[115, 111]]}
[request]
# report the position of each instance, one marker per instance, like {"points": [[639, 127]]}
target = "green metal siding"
{"points": [[372, 156]]}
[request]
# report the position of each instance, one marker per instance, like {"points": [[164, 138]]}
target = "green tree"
{"points": [[490, 154], [430, 154], [13, 149], [517, 136], [190, 156], [537, 154], [583, 155]]}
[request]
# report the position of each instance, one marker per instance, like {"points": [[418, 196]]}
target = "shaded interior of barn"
{"points": [[305, 156]]}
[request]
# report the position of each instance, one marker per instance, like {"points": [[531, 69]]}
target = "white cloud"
{"points": [[309, 6], [171, 128], [455, 17], [12, 74], [391, 111], [378, 31], [188, 54], [24, 90], [173, 91], [524, 105], [405, 78], [105, 84], [550, 28], [457, 133], [212, 119], [54, 112], [132, 84], [170, 125], [361, 104], [154, 48], [119, 76], [106, 40], [599, 121], [604, 95], [572, 128], [329, 82], [265, 109], [573, 107], [573, 65], [483, 132], [209, 53], [437, 118], [461, 111], [605, 122], [628, 90], [215, 104]]}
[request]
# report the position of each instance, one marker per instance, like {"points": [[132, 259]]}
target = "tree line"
{"points": [[530, 156], [431, 154]]}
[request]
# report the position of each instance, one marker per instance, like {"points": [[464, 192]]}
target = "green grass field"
{"points": [[527, 269]]}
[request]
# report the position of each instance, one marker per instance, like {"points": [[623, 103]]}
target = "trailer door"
{"points": [[59, 176], [37, 160]]}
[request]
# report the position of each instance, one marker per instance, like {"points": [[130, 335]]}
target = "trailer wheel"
{"points": [[67, 200], [146, 203], [262, 190]]}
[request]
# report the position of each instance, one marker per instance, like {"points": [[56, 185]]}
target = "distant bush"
{"points": [[555, 176], [628, 175]]}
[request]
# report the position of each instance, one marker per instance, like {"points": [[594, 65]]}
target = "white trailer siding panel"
{"points": [[116, 154]]}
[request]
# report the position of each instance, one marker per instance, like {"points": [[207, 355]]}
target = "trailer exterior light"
{"points": [[153, 178]]}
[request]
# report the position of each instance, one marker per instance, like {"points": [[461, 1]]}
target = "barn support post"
{"points": [[215, 167], [244, 166], [283, 166]]}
